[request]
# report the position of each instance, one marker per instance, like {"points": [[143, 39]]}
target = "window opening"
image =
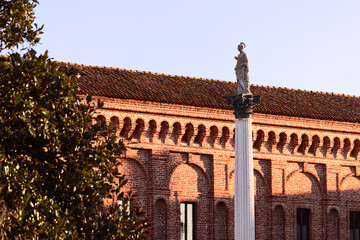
{"points": [[303, 224], [187, 219], [354, 225]]}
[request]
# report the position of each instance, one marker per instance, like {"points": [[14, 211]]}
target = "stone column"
{"points": [[244, 225]]}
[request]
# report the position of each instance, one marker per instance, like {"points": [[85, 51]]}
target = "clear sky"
{"points": [[305, 44]]}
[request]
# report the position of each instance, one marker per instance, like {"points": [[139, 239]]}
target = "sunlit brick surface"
{"points": [[185, 154], [181, 149]]}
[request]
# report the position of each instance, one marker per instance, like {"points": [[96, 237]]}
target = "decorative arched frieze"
{"points": [[271, 141], [114, 123], [221, 136], [355, 151], [293, 143], [260, 136], [176, 132], [201, 132], [336, 147], [314, 145], [232, 141], [346, 148], [304, 144], [164, 131], [282, 142], [100, 119], [213, 136], [139, 129], [151, 132], [124, 133], [189, 133], [225, 135], [325, 149]]}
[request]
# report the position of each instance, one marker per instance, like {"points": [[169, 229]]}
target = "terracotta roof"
{"points": [[148, 86]]}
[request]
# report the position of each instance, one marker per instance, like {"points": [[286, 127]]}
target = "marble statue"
{"points": [[242, 71]]}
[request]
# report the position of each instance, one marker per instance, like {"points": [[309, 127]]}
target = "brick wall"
{"points": [[185, 154]]}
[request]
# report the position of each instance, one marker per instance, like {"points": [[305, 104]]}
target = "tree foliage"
{"points": [[17, 25], [57, 166]]}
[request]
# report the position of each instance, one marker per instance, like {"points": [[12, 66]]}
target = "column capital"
{"points": [[243, 104]]}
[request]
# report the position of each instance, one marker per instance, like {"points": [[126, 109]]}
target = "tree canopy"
{"points": [[58, 167]]}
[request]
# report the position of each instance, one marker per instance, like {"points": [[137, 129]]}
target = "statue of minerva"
{"points": [[242, 71]]}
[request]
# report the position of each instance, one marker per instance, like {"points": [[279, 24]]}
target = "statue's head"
{"points": [[241, 46]]}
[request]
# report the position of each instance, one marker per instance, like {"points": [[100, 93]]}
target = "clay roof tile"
{"points": [[157, 87]]}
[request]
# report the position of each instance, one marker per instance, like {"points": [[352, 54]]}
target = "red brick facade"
{"points": [[185, 153]]}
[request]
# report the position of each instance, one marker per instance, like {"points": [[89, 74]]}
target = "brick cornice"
{"points": [[226, 115]]}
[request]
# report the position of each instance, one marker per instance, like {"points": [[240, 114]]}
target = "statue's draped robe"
{"points": [[242, 74]]}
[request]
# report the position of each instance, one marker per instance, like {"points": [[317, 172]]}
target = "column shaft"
{"points": [[244, 181]]}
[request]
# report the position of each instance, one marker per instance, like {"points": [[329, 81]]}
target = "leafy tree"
{"points": [[57, 166]]}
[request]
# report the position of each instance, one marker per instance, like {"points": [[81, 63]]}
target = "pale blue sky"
{"points": [[305, 44]]}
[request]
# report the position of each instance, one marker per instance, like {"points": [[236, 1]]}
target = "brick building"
{"points": [[180, 161]]}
